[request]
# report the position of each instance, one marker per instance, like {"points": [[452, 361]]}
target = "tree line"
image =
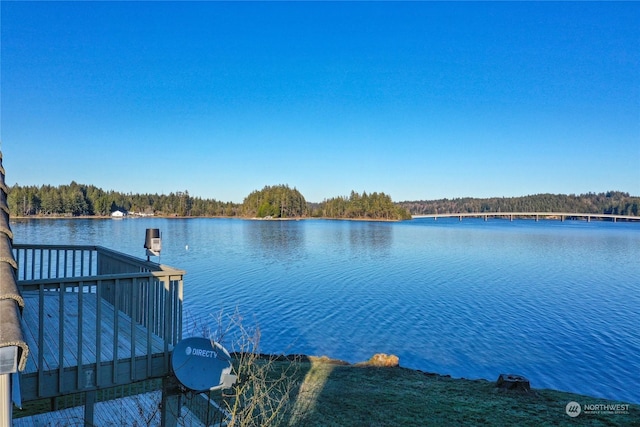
{"points": [[87, 200], [279, 201], [611, 202], [283, 202], [363, 206]]}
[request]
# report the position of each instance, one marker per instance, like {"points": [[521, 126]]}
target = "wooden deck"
{"points": [[128, 334], [139, 410], [80, 341], [95, 320]]}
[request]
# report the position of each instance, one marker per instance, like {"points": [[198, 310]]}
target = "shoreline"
{"points": [[40, 217], [375, 363], [135, 217], [328, 391]]}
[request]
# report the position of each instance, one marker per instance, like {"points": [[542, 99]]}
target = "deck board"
{"points": [[70, 329]]}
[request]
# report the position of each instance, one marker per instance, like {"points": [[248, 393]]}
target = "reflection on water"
{"points": [[371, 237], [556, 302], [280, 240]]}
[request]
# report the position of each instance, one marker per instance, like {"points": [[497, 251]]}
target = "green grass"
{"points": [[356, 395]]}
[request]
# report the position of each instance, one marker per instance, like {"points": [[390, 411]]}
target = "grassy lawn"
{"points": [[339, 395]]}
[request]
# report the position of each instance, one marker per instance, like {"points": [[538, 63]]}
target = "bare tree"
{"points": [[265, 383]]}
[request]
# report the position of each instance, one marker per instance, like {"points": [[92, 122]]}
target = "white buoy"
{"points": [[186, 247]]}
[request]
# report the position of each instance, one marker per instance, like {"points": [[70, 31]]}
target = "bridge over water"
{"points": [[537, 215]]}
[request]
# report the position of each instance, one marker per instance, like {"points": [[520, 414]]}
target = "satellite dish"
{"points": [[201, 364]]}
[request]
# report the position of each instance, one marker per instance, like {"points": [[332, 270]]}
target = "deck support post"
{"points": [[89, 402], [170, 405], [5, 401]]}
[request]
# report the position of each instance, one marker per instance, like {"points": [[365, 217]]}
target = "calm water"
{"points": [[556, 302]]}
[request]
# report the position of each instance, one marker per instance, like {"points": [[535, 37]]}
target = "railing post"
{"points": [[40, 340], [149, 313], [80, 336], [57, 263], [61, 338], [180, 300], [98, 336], [33, 264], [133, 314], [41, 262], [48, 263], [167, 320], [115, 331]]}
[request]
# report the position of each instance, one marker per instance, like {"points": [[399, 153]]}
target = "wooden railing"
{"points": [[97, 317]]}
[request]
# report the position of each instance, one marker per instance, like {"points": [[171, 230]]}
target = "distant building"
{"points": [[118, 214]]}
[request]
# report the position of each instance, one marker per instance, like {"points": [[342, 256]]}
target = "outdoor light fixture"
{"points": [[153, 242]]}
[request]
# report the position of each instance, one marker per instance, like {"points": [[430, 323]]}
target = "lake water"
{"points": [[557, 302]]}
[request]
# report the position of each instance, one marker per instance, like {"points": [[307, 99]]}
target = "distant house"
{"points": [[117, 214]]}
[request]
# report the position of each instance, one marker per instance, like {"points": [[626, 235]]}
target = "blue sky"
{"points": [[419, 100]]}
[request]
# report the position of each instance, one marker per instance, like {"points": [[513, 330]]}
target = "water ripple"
{"points": [[556, 302]]}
